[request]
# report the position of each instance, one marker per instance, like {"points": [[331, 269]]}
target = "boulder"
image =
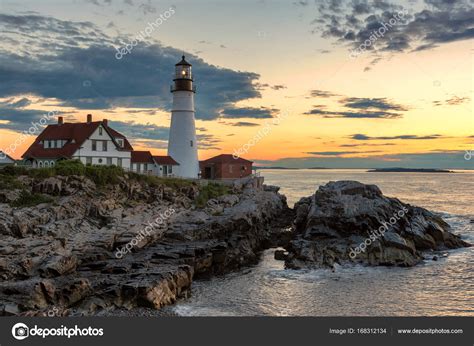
{"points": [[347, 221]]}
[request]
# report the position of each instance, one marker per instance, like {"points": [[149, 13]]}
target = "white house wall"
{"points": [[86, 151]]}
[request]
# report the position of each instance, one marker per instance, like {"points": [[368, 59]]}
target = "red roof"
{"points": [[225, 158], [75, 134], [142, 157], [165, 160]]}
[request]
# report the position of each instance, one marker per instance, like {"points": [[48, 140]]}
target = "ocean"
{"points": [[433, 288]]}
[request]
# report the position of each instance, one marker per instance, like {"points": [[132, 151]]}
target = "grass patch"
{"points": [[153, 180], [9, 182], [27, 199], [210, 191]]}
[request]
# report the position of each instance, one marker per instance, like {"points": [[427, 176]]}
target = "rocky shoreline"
{"points": [[350, 222], [63, 257]]}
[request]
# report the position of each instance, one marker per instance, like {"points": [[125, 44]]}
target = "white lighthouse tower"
{"points": [[182, 144]]}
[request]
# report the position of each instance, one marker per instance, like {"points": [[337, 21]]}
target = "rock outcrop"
{"points": [[127, 245], [347, 221]]}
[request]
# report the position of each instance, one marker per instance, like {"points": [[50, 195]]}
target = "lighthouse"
{"points": [[182, 144]]}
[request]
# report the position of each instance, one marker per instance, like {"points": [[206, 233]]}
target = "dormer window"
{"points": [[100, 130], [120, 142]]}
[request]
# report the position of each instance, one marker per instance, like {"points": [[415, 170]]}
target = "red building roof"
{"points": [[165, 160], [225, 158], [142, 157], [75, 134]]}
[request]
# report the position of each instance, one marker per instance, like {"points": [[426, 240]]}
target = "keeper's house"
{"points": [[92, 142]]}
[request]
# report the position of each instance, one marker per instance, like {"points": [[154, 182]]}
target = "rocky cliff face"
{"points": [[347, 221], [125, 245]]}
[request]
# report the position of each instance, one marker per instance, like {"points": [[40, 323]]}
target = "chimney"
{"points": [[105, 122], [89, 118], [60, 120]]}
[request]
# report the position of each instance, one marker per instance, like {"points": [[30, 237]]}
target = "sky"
{"points": [[337, 84]]}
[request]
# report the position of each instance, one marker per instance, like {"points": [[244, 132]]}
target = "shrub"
{"points": [[14, 170], [41, 172], [9, 182], [211, 190], [27, 199], [103, 175], [70, 167]]}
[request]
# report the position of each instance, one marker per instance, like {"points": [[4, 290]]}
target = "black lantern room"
{"points": [[183, 78]]}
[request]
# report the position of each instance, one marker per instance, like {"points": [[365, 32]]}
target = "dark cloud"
{"points": [[372, 103], [362, 137], [450, 160], [244, 124], [278, 87], [354, 115], [322, 94], [436, 22], [88, 76], [340, 153], [356, 107], [141, 131], [249, 112]]}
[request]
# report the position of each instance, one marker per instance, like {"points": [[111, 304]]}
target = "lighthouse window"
{"points": [[192, 144]]}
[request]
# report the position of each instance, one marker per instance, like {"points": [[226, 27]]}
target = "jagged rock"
{"points": [[64, 255], [347, 221]]}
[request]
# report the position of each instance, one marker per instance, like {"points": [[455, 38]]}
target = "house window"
{"points": [[170, 169], [109, 161], [120, 142], [94, 145], [192, 144], [88, 160], [119, 162], [100, 160], [100, 131], [104, 145], [52, 144], [145, 167], [40, 164], [52, 163], [46, 164]]}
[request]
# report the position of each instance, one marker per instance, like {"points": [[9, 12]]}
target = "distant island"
{"points": [[410, 170]]}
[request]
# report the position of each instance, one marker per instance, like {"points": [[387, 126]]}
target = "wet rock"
{"points": [[347, 221]]}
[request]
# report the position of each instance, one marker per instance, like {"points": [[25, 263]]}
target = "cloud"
{"points": [[355, 115], [278, 87], [244, 124], [453, 101], [74, 63], [370, 108], [141, 131], [427, 26], [322, 94], [340, 153], [372, 103], [249, 112], [450, 160], [362, 137]]}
